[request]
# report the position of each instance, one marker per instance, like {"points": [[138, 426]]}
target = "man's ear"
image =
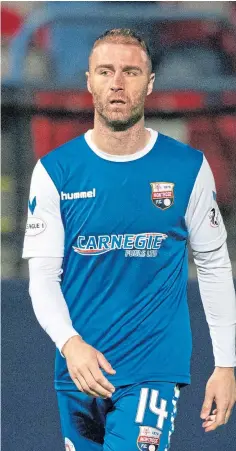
{"points": [[150, 84], [88, 82]]}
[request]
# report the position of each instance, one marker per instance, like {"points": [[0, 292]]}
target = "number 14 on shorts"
{"points": [[161, 411], [149, 437]]}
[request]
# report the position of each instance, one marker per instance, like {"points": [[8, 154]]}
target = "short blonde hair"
{"points": [[124, 36]]}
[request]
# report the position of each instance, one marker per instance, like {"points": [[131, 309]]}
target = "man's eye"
{"points": [[131, 73], [104, 72]]}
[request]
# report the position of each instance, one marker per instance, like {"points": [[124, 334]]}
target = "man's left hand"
{"points": [[221, 389]]}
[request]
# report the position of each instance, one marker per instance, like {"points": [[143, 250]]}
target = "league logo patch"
{"points": [[162, 194], [34, 226], [214, 216], [69, 445], [148, 439]]}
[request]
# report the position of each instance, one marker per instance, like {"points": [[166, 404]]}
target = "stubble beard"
{"points": [[121, 124]]}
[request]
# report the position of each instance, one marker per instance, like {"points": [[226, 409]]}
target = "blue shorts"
{"points": [[137, 417]]}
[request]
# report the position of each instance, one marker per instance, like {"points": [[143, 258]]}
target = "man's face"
{"points": [[119, 80]]}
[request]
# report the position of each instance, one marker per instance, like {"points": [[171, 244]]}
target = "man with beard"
{"points": [[110, 213]]}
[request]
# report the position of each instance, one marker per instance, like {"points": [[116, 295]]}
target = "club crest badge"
{"points": [[162, 194], [148, 439]]}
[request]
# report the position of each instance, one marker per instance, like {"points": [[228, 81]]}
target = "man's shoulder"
{"points": [[178, 148], [64, 152], [60, 162]]}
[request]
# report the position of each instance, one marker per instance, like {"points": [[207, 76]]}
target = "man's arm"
{"points": [[207, 236], [48, 302], [218, 298], [44, 247]]}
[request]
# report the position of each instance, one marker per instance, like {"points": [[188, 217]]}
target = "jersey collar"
{"points": [[122, 158]]}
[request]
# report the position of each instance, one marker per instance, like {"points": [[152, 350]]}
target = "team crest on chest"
{"points": [[162, 194]]}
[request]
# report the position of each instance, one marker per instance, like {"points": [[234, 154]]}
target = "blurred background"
{"points": [[44, 53]]}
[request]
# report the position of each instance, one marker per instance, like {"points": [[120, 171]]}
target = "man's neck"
{"points": [[125, 142]]}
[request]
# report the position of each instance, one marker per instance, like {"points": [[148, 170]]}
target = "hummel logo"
{"points": [[79, 195]]}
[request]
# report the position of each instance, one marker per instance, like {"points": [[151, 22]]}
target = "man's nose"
{"points": [[117, 88], [117, 83]]}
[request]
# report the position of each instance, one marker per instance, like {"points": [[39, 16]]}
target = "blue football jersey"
{"points": [[124, 227]]}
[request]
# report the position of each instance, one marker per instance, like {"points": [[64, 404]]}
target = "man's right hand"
{"points": [[84, 362]]}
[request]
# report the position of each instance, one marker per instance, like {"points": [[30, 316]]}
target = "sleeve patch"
{"points": [[214, 216], [34, 226]]}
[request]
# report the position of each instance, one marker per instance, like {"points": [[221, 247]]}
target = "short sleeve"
{"points": [[203, 218], [44, 234]]}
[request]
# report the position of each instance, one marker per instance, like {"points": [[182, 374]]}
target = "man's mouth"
{"points": [[117, 102]]}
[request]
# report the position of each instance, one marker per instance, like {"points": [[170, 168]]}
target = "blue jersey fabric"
{"points": [[125, 258]]}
